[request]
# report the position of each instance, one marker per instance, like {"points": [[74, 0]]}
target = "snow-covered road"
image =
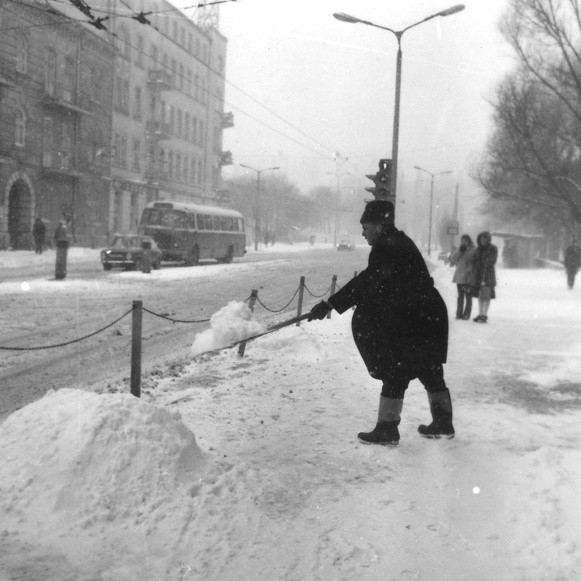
{"points": [[276, 485]]}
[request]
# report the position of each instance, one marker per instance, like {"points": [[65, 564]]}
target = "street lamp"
{"points": [[257, 199], [433, 175], [398, 34]]}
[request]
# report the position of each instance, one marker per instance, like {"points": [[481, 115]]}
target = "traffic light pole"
{"points": [[395, 138]]}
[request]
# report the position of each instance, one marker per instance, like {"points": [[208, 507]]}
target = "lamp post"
{"points": [[433, 175], [398, 34], [257, 199]]}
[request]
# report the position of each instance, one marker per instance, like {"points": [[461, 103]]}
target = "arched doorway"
{"points": [[19, 215]]}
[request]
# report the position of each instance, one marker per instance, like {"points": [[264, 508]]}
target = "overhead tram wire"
{"points": [[68, 19]]}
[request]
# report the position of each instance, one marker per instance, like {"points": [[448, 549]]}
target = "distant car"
{"points": [[127, 252], [346, 245]]}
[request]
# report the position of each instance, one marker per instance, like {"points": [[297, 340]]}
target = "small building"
{"points": [[520, 250]]}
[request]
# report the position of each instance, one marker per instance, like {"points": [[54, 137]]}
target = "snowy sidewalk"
{"points": [[285, 491]]}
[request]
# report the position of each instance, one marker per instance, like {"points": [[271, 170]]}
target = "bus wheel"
{"points": [[193, 256]]}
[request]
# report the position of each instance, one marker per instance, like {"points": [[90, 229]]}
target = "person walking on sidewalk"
{"points": [[38, 233], [464, 276], [400, 325], [571, 262], [484, 260]]}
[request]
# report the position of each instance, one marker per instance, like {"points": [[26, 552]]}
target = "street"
{"points": [[53, 312]]}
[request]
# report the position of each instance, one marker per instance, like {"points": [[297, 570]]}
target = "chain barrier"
{"points": [[175, 320], [315, 295], [67, 342], [278, 310]]}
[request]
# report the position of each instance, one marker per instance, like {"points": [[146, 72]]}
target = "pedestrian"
{"points": [[400, 325], [38, 233], [464, 276], [146, 261], [572, 261], [60, 233], [484, 261]]}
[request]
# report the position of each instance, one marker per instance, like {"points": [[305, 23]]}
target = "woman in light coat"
{"points": [[464, 276]]}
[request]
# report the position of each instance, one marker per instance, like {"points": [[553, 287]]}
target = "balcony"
{"points": [[59, 164], [159, 80], [227, 120], [58, 96], [158, 130]]}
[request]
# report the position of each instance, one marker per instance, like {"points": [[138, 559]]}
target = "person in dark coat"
{"points": [[464, 276], [38, 233], [400, 325], [571, 262], [484, 260]]}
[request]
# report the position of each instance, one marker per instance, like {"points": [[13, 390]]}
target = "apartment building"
{"points": [[168, 109], [95, 123], [55, 124]]}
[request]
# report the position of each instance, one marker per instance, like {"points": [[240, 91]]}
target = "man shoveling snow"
{"points": [[231, 324]]}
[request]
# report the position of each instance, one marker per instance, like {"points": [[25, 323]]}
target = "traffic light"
{"points": [[382, 181]]}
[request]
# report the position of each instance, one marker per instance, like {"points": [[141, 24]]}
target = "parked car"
{"points": [[346, 245], [127, 252]]}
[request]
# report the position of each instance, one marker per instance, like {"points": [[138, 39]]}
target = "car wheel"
{"points": [[156, 265], [107, 266]]}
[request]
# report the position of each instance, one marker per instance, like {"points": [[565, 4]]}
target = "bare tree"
{"points": [[532, 168]]}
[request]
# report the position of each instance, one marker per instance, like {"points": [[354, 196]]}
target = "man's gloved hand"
{"points": [[320, 311]]}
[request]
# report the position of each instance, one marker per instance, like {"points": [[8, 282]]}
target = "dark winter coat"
{"points": [[484, 260], [572, 258], [400, 320], [38, 231]]}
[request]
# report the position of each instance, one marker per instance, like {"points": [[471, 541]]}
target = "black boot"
{"points": [[385, 432], [441, 408]]}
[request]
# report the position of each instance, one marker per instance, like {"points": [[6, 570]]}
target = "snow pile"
{"points": [[230, 324], [86, 466]]}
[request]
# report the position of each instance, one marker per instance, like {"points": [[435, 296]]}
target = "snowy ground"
{"points": [[231, 468]]}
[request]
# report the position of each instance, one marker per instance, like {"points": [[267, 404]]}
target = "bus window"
{"points": [[180, 220], [223, 224], [229, 224], [240, 225], [200, 222], [192, 221], [216, 222], [207, 222], [151, 217]]}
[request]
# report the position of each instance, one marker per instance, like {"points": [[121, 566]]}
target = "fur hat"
{"points": [[379, 212]]}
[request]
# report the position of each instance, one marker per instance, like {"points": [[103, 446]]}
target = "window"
{"points": [[69, 79], [208, 222], [47, 141], [193, 172], [137, 104], [20, 125], [178, 166], [21, 53], [174, 76], [140, 50], [195, 129], [136, 155], [67, 146], [186, 169], [181, 77], [200, 173], [189, 82], [120, 150], [154, 55], [172, 120], [197, 87], [50, 71], [200, 222], [187, 127], [170, 164], [201, 132], [163, 110], [179, 122], [203, 92], [123, 42]]}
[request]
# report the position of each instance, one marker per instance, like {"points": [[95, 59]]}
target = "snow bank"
{"points": [[230, 324], [86, 466]]}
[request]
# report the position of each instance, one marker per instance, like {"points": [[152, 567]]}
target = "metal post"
{"points": [[301, 293], [395, 138], [251, 303], [430, 223], [62, 248], [136, 348], [332, 291]]}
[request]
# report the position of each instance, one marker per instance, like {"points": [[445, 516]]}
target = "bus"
{"points": [[190, 233]]}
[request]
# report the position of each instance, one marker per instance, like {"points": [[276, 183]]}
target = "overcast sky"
{"points": [[303, 85]]}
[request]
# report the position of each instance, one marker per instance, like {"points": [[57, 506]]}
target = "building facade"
{"points": [[95, 123], [55, 125]]}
